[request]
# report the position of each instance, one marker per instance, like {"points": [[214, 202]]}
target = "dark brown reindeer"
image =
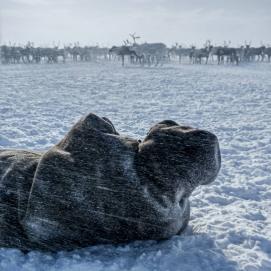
{"points": [[199, 54], [227, 52], [180, 51], [267, 52], [122, 51], [254, 53]]}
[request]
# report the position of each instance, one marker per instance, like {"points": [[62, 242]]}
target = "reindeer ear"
{"points": [[92, 121], [161, 124]]}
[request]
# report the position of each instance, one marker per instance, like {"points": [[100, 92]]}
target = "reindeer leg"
{"points": [[122, 60]]}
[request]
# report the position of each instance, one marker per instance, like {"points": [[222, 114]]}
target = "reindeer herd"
{"points": [[138, 54], [31, 54], [222, 54]]}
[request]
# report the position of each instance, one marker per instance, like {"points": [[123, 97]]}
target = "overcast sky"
{"points": [[110, 22]]}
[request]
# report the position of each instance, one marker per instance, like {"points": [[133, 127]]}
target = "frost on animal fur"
{"points": [[96, 186]]}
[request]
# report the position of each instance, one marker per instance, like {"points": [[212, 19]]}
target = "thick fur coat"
{"points": [[96, 186]]}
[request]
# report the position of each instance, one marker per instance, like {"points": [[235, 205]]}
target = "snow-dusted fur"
{"points": [[96, 186]]}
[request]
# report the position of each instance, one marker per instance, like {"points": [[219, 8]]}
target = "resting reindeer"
{"points": [[96, 186]]}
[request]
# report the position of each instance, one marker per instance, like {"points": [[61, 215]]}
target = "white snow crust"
{"points": [[230, 227]]}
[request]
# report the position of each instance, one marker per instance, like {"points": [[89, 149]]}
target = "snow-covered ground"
{"points": [[230, 227]]}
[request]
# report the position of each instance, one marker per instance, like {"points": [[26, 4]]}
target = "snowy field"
{"points": [[230, 227]]}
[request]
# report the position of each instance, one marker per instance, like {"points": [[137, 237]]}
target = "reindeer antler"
{"points": [[134, 37], [126, 42]]}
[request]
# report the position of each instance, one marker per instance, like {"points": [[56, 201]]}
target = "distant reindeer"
{"points": [[199, 54], [226, 52], [122, 51], [151, 53], [254, 53], [179, 51], [267, 52]]}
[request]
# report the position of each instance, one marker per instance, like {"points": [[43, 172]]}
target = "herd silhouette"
{"points": [[137, 53]]}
